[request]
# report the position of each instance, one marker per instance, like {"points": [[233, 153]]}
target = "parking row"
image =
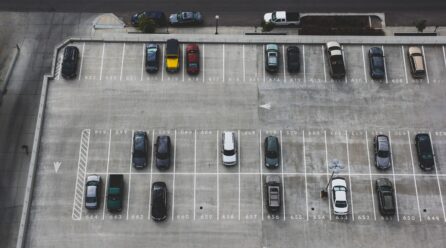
{"points": [[201, 188], [240, 63]]}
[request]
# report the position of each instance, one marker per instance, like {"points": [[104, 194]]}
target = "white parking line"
{"points": [[184, 64], [323, 66], [106, 175], [263, 63], [303, 63], [223, 67], [102, 60], [414, 178], [385, 67], [130, 176], [394, 181], [283, 178], [261, 170], [142, 61], [328, 172], [404, 63], [151, 171], [238, 161], [174, 172], [202, 67], [305, 173], [82, 61], [349, 175], [425, 64], [163, 60], [444, 56], [122, 64], [284, 63], [438, 179], [344, 57], [365, 70], [195, 168], [244, 72], [370, 171], [218, 178]]}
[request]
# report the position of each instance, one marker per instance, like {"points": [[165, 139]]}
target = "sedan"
{"points": [[159, 201], [186, 18], [162, 154], [272, 152], [292, 55], [424, 151], [152, 58], [376, 61], [339, 196], [272, 58], [386, 199], [140, 149], [192, 59], [382, 152], [93, 192], [157, 16]]}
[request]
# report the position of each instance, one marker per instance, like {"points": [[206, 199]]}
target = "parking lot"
{"points": [[90, 120]]}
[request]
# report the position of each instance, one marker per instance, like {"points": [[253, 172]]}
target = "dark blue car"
{"points": [[157, 16], [376, 59]]}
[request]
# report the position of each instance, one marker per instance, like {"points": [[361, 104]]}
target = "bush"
{"points": [[317, 30], [267, 26], [146, 25], [335, 21], [420, 25]]}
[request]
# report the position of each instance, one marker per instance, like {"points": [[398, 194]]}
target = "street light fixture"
{"points": [[216, 23], [335, 167]]}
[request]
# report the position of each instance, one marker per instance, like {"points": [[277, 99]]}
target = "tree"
{"points": [[420, 25], [146, 25], [267, 26]]}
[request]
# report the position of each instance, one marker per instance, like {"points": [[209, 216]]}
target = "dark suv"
{"points": [[162, 155], [140, 149], [159, 201], [69, 63], [424, 151], [386, 199], [272, 152], [152, 58]]}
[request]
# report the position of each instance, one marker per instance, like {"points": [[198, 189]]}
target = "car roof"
{"points": [[376, 50], [228, 140], [272, 47], [336, 52], [272, 179], [93, 178], [383, 143], [163, 145], [338, 181], [272, 142], [280, 14], [333, 44], [341, 196]]}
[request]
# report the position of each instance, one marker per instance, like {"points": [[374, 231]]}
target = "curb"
{"points": [[5, 82]]}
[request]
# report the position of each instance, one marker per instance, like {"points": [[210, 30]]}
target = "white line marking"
{"points": [[238, 161], [174, 172], [244, 70], [223, 67], [385, 67], [425, 64], [106, 176], [370, 171], [82, 167], [122, 64], [365, 70], [414, 179], [183, 67], [82, 60], [404, 63], [328, 173], [303, 63], [305, 173], [438, 179], [218, 178], [195, 168], [102, 60], [263, 64], [163, 61], [261, 170], [142, 60], [323, 66], [284, 63], [283, 178], [394, 181], [444, 57], [130, 176], [202, 67], [345, 65], [349, 174], [151, 171]]}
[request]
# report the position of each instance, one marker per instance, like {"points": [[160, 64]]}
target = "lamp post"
{"points": [[216, 23], [335, 167]]}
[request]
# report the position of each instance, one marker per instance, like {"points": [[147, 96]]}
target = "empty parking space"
{"points": [[213, 63], [133, 62], [111, 63], [359, 143], [402, 162], [251, 204], [295, 198], [229, 196], [185, 151], [183, 202], [355, 64], [120, 151], [315, 64], [435, 63], [138, 192], [429, 198], [318, 209], [206, 155], [254, 63], [233, 63], [315, 153], [98, 151], [363, 199], [292, 151], [206, 197], [92, 61], [249, 151], [407, 199], [395, 64]]}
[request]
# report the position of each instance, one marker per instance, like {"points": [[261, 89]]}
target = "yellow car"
{"points": [[172, 55]]}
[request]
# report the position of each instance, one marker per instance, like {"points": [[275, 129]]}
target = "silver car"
{"points": [[382, 152], [93, 192]]}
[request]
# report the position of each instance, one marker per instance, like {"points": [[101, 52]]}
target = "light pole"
{"points": [[216, 23], [335, 167]]}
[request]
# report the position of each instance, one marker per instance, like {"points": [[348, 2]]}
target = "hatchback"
{"points": [[382, 152], [272, 152], [152, 58], [159, 201], [386, 199], [162, 154], [93, 192], [424, 151], [140, 149], [376, 61], [69, 62], [192, 59]]}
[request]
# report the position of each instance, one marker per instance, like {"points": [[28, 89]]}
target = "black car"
{"points": [[157, 16], [382, 152], [162, 154], [140, 149], [376, 61], [152, 58], [159, 201], [292, 56], [424, 151], [69, 62], [272, 152], [386, 199]]}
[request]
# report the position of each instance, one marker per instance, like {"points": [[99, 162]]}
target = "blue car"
{"points": [[376, 59], [186, 18], [157, 16]]}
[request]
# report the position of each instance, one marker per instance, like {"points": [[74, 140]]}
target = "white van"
{"points": [[229, 149]]}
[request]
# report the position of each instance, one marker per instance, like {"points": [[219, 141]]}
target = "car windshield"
{"points": [[172, 56], [273, 16], [90, 199], [341, 204], [427, 156], [193, 65], [339, 188], [271, 154], [383, 154], [228, 152], [386, 188]]}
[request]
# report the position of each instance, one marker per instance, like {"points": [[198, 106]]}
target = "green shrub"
{"points": [[267, 26], [146, 25]]}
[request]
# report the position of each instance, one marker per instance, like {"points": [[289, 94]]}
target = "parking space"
{"points": [[436, 68], [292, 151], [213, 61], [355, 64], [313, 69], [249, 151]]}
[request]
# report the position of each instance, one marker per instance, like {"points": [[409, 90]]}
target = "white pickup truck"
{"points": [[282, 18]]}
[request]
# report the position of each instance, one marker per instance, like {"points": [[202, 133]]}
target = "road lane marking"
{"points": [[174, 173], [183, 67], [284, 63], [223, 67], [425, 64], [218, 178], [283, 178], [305, 173], [151, 171], [328, 172], [130, 176], [202, 68], [363, 61], [261, 170], [413, 169], [349, 175], [394, 181], [142, 61], [404, 63], [122, 61], [444, 57], [195, 168], [244, 70], [370, 171], [323, 66], [238, 161], [82, 61], [81, 176], [263, 64], [106, 176], [303, 62], [385, 67], [102, 60], [162, 62], [344, 58], [438, 179]]}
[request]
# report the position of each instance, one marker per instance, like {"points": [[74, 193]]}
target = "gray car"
{"points": [[382, 152], [272, 152], [272, 58], [273, 199], [93, 192], [186, 18]]}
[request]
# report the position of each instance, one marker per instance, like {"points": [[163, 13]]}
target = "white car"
{"points": [[229, 149], [339, 196]]}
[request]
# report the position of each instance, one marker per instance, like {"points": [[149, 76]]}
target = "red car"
{"points": [[192, 59]]}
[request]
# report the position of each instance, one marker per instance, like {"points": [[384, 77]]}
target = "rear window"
{"points": [[388, 201], [341, 204], [228, 152]]}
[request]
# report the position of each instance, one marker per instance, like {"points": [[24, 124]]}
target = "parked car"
{"points": [[386, 199], [424, 151], [69, 62], [229, 149], [159, 201], [152, 58], [335, 57], [339, 196], [115, 192], [157, 16], [162, 153], [186, 18], [376, 61], [282, 18], [192, 59], [140, 152], [273, 198], [272, 58], [416, 62], [93, 192], [172, 55], [272, 152], [382, 152], [293, 59]]}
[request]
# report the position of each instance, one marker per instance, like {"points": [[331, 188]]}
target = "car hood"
{"points": [[267, 17], [139, 162], [173, 18], [162, 163], [272, 162], [229, 159], [91, 204], [382, 163], [340, 210]]}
